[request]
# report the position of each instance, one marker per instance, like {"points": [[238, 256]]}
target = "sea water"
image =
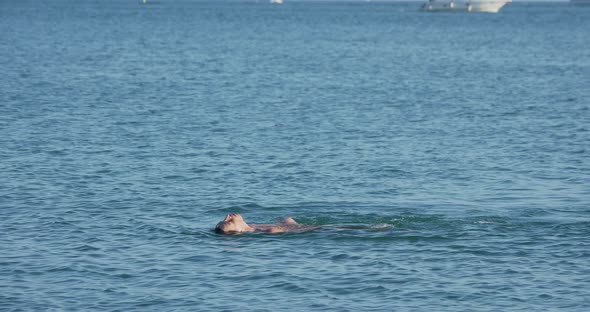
{"points": [[454, 147]]}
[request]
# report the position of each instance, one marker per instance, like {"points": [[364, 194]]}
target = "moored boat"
{"points": [[488, 6]]}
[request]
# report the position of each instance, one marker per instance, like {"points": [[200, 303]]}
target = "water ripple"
{"points": [[447, 168]]}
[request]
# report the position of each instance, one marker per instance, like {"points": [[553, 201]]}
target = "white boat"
{"points": [[276, 1], [488, 6]]}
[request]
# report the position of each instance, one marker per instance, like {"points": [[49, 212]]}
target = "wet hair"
{"points": [[220, 229]]}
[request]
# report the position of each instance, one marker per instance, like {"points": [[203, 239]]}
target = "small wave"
{"points": [[86, 248], [382, 226], [484, 222]]}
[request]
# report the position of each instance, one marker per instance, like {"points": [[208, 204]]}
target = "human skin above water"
{"points": [[234, 223]]}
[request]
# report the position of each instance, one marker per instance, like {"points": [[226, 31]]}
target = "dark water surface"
{"points": [[457, 143]]}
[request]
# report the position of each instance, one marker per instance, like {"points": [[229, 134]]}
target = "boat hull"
{"points": [[464, 6]]}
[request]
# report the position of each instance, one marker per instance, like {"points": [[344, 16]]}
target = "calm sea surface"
{"points": [[456, 147]]}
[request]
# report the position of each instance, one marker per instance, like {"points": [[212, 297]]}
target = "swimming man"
{"points": [[234, 223]]}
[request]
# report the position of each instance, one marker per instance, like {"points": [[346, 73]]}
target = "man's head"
{"points": [[233, 223]]}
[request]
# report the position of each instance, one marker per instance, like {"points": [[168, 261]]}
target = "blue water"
{"points": [[457, 144]]}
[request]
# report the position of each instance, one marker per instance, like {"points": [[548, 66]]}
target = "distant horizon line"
{"points": [[521, 1], [545, 1]]}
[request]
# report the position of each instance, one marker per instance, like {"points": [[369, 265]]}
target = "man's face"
{"points": [[233, 223]]}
